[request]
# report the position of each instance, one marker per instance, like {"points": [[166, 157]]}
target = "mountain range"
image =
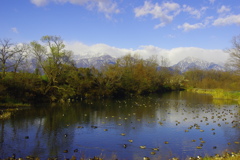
{"points": [[97, 62], [191, 62], [183, 65]]}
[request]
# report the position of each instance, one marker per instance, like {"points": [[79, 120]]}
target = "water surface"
{"points": [[104, 127]]}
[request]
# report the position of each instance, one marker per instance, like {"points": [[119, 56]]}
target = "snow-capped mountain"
{"points": [[94, 61], [191, 62], [99, 60], [186, 64]]}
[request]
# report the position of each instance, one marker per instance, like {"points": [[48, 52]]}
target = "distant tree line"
{"points": [[212, 79], [57, 79]]}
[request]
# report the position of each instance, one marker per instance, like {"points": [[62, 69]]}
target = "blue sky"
{"points": [[171, 28]]}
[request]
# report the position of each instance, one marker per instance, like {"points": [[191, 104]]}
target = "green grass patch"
{"points": [[219, 93]]}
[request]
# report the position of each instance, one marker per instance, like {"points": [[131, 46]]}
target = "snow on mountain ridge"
{"points": [[192, 62], [88, 55], [95, 61], [186, 64]]}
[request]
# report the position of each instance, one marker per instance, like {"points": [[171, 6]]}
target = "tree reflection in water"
{"points": [[94, 128]]}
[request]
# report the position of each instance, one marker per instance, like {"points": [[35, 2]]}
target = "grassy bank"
{"points": [[14, 105], [226, 156], [219, 93]]}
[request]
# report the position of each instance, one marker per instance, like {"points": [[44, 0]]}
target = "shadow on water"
{"points": [[176, 124]]}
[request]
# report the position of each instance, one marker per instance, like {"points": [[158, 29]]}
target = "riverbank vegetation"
{"points": [[46, 72], [219, 84], [56, 78], [225, 156]]}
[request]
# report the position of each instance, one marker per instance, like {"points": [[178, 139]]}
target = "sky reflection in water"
{"points": [[94, 128]]}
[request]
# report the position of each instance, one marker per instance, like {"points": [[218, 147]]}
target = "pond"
{"points": [[176, 124]]}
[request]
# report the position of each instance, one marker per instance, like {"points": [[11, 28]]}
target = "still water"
{"points": [[177, 124]]}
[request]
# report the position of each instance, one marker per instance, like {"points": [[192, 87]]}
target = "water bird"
{"points": [[65, 135], [160, 123], [142, 147], [130, 140], [31, 157], [199, 147], [146, 158], [155, 149], [190, 127], [166, 142], [65, 151], [94, 127], [26, 137], [124, 146], [75, 150], [105, 129], [153, 153], [123, 134], [80, 127], [214, 147], [193, 140]]}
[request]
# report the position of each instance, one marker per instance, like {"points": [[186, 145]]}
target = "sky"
{"points": [[175, 29]]}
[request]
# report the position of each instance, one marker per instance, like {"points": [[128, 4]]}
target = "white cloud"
{"points": [[228, 20], [210, 55], [171, 36], [40, 3], [105, 6], [187, 27], [173, 55], [164, 12], [84, 50], [196, 13], [212, 1], [223, 9], [14, 29]]}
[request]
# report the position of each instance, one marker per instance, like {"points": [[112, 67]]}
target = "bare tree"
{"points": [[19, 59], [234, 53], [11, 56]]}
